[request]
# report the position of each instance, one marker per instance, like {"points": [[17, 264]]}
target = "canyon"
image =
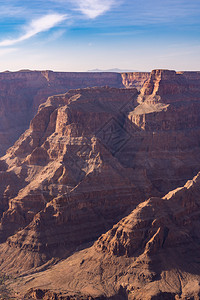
{"points": [[100, 193], [22, 92], [153, 253]]}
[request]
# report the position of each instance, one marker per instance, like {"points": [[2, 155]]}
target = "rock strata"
{"points": [[67, 176], [153, 253], [134, 79], [22, 92], [89, 157]]}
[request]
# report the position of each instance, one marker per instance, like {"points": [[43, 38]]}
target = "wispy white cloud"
{"points": [[94, 8], [36, 26]]}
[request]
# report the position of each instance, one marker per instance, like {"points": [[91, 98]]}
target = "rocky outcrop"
{"points": [[22, 92], [88, 159], [134, 79], [158, 224], [168, 113], [153, 253], [70, 176], [163, 83], [165, 233]]}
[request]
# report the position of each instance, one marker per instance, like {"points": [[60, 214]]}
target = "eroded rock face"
{"points": [[135, 79], [157, 224], [73, 188], [164, 233], [22, 92], [168, 112], [153, 253], [87, 160]]}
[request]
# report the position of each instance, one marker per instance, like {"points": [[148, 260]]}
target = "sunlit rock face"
{"points": [[22, 92], [153, 253], [88, 159], [135, 79]]}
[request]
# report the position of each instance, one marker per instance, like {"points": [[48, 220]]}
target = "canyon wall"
{"points": [[22, 92], [153, 254], [134, 79], [89, 157]]}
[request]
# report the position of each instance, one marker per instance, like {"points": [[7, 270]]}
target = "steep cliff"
{"points": [[89, 157], [153, 253], [67, 175], [22, 92], [134, 79]]}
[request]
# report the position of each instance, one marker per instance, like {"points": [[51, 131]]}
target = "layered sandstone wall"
{"points": [[153, 253], [134, 79], [88, 158], [22, 92]]}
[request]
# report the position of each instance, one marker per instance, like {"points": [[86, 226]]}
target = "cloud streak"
{"points": [[42, 24], [94, 8]]}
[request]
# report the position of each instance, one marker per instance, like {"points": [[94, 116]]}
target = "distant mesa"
{"points": [[115, 70]]}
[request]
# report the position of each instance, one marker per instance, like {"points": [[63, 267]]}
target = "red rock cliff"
{"points": [[134, 79], [89, 157], [22, 92]]}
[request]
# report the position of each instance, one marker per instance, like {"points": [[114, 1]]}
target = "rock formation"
{"points": [[22, 92], [89, 157], [153, 253], [134, 79], [56, 162]]}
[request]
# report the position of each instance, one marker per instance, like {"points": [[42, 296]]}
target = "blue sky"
{"points": [[78, 35]]}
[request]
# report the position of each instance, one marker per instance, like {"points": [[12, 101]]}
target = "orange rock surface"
{"points": [[22, 92], [153, 253], [89, 158]]}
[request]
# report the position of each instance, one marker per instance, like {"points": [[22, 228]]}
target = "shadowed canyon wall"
{"points": [[91, 157], [22, 92]]}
